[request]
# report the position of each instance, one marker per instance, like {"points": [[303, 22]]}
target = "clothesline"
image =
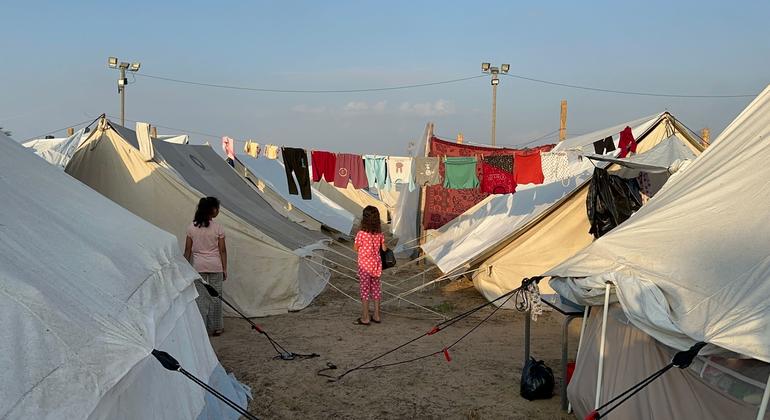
{"points": [[489, 172]]}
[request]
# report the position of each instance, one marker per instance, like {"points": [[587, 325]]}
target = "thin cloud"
{"points": [[307, 109], [437, 108]]}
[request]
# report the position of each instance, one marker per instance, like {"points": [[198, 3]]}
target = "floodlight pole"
{"points": [[494, 72], [114, 63], [494, 112], [122, 90]]}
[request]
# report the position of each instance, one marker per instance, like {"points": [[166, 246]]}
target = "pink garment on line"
{"points": [[228, 145], [205, 247], [350, 167]]}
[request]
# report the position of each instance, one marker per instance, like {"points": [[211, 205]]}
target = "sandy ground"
{"points": [[480, 382]]}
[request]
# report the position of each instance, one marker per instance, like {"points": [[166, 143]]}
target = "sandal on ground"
{"points": [[360, 322], [376, 321]]}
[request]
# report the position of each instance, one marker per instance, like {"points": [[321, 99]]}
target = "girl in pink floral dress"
{"points": [[369, 241]]}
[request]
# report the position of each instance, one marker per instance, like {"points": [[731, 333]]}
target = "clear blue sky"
{"points": [[54, 71]]}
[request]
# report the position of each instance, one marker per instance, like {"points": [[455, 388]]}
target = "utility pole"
{"points": [[494, 71], [113, 63], [563, 121]]}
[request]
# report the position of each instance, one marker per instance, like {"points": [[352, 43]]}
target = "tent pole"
{"points": [[580, 344], [765, 398], [421, 210], [601, 346]]}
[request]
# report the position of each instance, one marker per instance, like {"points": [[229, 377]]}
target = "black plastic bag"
{"points": [[611, 200], [388, 259], [536, 380]]}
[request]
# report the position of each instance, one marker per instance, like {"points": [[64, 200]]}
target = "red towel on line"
{"points": [[527, 167]]}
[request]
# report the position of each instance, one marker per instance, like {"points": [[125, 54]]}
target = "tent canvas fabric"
{"points": [[265, 277], [495, 218], [509, 237], [276, 200], [57, 152], [630, 356], [656, 160], [87, 291], [353, 200], [692, 265], [562, 229], [271, 173], [203, 169]]}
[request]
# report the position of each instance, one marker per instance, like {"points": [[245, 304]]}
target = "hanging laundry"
{"points": [[460, 173], [376, 171], [427, 171], [497, 175], [324, 164], [527, 167], [627, 142], [350, 167], [227, 147], [271, 151], [251, 148], [295, 160], [555, 166], [604, 146], [400, 171]]}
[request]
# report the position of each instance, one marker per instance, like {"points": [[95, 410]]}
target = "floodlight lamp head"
{"points": [[135, 66], [123, 65], [485, 67], [112, 62], [505, 67], [495, 81], [494, 70]]}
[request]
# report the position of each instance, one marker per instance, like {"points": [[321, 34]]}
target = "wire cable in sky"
{"points": [[91, 120], [443, 82], [624, 92], [254, 89], [181, 130]]}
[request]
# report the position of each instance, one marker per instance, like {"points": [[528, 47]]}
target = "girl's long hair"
{"points": [[370, 221], [205, 211]]}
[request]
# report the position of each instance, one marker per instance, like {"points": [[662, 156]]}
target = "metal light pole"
{"points": [[494, 71], [113, 63]]}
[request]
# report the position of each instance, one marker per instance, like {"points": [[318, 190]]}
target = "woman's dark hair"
{"points": [[205, 211], [370, 221]]}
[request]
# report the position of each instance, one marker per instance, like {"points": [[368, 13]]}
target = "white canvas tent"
{"points": [[353, 200], [692, 265], [57, 151], [87, 291], [507, 238], [271, 173], [270, 271]]}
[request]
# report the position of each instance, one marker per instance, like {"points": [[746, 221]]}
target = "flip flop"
{"points": [[375, 321], [359, 322]]}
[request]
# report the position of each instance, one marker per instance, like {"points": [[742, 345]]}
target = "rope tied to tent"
{"points": [[283, 354], [441, 326], [170, 363], [681, 360]]}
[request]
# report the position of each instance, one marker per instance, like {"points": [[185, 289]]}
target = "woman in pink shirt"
{"points": [[205, 249], [369, 241]]}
